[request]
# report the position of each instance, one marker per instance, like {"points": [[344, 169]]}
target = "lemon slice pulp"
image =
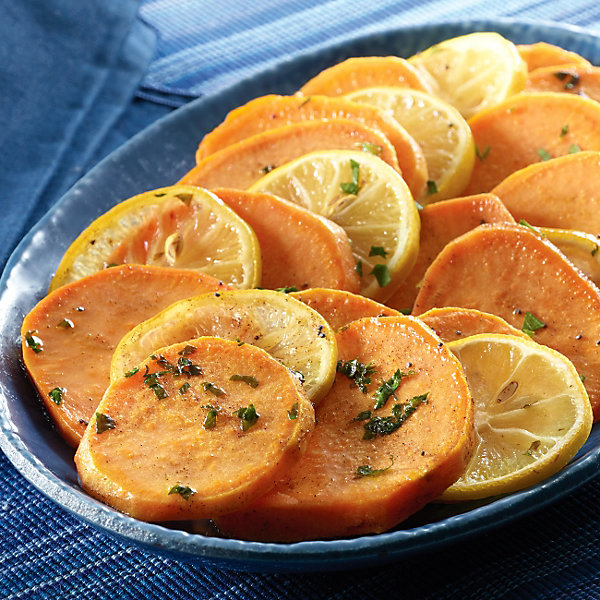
{"points": [[532, 414], [179, 226], [286, 328], [368, 199], [473, 71], [440, 130]]}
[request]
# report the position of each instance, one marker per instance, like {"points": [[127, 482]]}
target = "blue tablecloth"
{"points": [[80, 78]]}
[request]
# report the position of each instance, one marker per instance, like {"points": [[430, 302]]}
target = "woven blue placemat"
{"points": [[179, 50]]}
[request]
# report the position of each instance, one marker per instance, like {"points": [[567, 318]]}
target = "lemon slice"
{"points": [[368, 199], [440, 130], [296, 335], [180, 226], [532, 414], [473, 71], [582, 249]]}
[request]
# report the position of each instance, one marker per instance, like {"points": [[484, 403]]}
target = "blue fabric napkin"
{"points": [[69, 71]]}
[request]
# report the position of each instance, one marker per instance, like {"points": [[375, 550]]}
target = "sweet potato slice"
{"points": [[240, 164], [440, 223], [348, 485], [282, 228], [509, 271], [542, 54], [204, 427], [572, 79], [70, 335], [454, 323], [268, 112], [563, 193], [362, 72], [528, 128], [340, 307]]}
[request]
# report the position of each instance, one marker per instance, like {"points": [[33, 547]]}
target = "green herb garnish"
{"points": [[56, 395], [184, 491], [544, 154], [400, 413], [387, 388], [531, 324], [213, 389], [185, 387], [249, 379], [248, 415], [210, 420], [185, 197], [378, 251], [370, 147], [358, 267], [360, 373], [382, 274], [33, 342], [132, 372], [431, 187], [293, 412], [368, 471], [481, 154], [574, 148], [187, 350], [267, 168], [104, 423], [288, 289], [529, 226], [66, 324], [353, 187], [564, 130]]}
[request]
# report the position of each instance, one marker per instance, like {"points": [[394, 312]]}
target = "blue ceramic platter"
{"points": [[159, 156]]}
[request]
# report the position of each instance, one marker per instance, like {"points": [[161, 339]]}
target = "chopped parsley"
{"points": [[210, 420], [249, 379], [248, 415], [405, 311], [378, 251], [360, 373], [33, 342], [481, 154], [185, 197], [104, 423], [287, 290], [564, 130], [293, 412], [359, 268], [544, 154], [352, 187], [570, 79], [183, 490], [529, 226], [132, 372], [370, 147], [267, 168], [185, 387], [56, 395], [239, 342], [66, 324], [368, 471], [213, 389], [298, 375], [387, 388], [187, 350], [594, 250], [531, 324], [574, 148], [382, 274], [362, 416], [400, 413], [431, 187]]}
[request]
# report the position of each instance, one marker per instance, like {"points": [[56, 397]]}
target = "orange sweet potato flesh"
{"points": [[339, 308], [441, 222], [526, 128], [454, 323], [298, 247], [322, 497], [268, 112], [362, 72], [542, 54], [80, 324], [162, 440], [563, 192], [573, 79], [508, 270], [241, 164]]}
